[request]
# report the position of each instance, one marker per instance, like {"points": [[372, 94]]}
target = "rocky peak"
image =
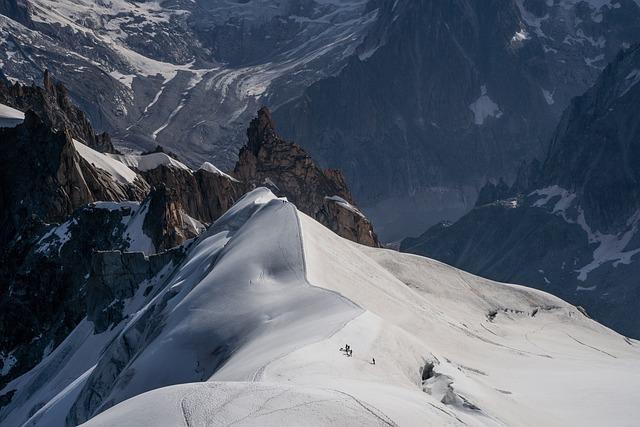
{"points": [[42, 174], [53, 105], [595, 150], [268, 160], [261, 131], [492, 192], [166, 221]]}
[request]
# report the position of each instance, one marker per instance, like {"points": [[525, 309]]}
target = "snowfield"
{"points": [[248, 330]]}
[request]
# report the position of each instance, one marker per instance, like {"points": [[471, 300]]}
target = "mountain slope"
{"points": [[67, 210], [570, 227], [185, 74], [260, 308], [444, 95]]}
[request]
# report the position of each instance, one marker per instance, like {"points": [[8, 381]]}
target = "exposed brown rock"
{"points": [[289, 171], [203, 195], [166, 222]]}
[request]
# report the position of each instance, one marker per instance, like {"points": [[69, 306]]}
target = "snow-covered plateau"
{"points": [[249, 329]]}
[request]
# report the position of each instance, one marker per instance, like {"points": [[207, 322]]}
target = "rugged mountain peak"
{"points": [[268, 160], [492, 191], [43, 174], [53, 104], [261, 131], [166, 221], [595, 151]]}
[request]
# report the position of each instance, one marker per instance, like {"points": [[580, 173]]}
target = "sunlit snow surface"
{"points": [[10, 117], [248, 331]]}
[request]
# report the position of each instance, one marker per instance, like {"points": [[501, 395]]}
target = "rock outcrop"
{"points": [[204, 195], [289, 171], [116, 276], [166, 222], [43, 175], [52, 104]]}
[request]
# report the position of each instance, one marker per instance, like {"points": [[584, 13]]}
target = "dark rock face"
{"points": [[203, 195], [446, 95], [43, 273], [42, 174], [52, 104], [17, 10], [115, 277], [568, 226], [289, 171], [166, 222], [595, 151]]}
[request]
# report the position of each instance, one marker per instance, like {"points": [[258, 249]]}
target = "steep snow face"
{"points": [[251, 327], [148, 161], [10, 117], [118, 170]]}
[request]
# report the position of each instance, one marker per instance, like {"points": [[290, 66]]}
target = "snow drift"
{"points": [[248, 330]]}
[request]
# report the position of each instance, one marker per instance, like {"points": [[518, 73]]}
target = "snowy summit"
{"points": [[252, 326]]}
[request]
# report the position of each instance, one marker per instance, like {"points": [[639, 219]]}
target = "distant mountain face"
{"points": [[185, 74], [419, 102], [570, 225], [444, 95]]}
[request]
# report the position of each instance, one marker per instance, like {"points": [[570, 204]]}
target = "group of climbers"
{"points": [[348, 351]]}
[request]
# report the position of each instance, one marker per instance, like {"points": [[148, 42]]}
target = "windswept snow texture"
{"points": [[118, 170], [148, 161], [206, 166], [248, 330], [10, 117]]}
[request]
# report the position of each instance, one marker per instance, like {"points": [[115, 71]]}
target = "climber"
{"points": [[373, 361]]}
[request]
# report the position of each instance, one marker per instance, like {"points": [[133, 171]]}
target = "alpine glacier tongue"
{"points": [[250, 329]]}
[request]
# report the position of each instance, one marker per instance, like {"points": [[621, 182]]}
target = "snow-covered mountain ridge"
{"points": [[248, 329]]}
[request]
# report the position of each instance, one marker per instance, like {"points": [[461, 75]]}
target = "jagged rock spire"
{"points": [[289, 171], [261, 129]]}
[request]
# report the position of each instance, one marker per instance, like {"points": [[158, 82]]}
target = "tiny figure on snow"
{"points": [[373, 360]]}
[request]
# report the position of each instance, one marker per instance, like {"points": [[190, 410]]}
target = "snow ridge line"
{"points": [[304, 262], [259, 372]]}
